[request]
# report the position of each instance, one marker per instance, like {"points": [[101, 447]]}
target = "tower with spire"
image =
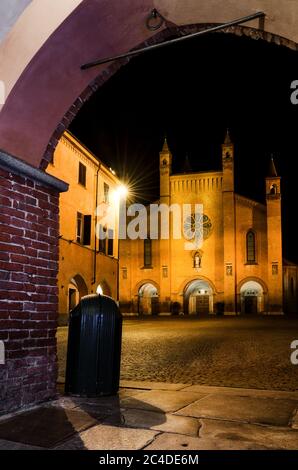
{"points": [[274, 240], [165, 170], [229, 225]]}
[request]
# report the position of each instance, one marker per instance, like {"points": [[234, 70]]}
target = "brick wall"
{"points": [[29, 233]]}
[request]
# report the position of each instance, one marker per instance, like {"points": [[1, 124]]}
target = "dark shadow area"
{"points": [[56, 423]]}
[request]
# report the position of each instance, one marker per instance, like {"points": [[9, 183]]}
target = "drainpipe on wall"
{"points": [[95, 225]]}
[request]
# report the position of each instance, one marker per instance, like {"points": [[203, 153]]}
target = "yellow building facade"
{"points": [[237, 269], [87, 264]]}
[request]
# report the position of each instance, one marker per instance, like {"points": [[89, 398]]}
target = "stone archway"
{"points": [[78, 285], [252, 295], [198, 297], [37, 110], [148, 299]]}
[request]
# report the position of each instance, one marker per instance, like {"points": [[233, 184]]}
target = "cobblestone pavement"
{"points": [[231, 352]]}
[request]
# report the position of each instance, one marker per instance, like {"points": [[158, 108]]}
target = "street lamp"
{"points": [[120, 194]]}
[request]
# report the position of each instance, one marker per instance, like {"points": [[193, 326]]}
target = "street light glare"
{"points": [[122, 191]]}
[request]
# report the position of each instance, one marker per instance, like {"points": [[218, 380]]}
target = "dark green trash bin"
{"points": [[94, 347]]}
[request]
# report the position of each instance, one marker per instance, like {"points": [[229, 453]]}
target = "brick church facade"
{"points": [[238, 269]]}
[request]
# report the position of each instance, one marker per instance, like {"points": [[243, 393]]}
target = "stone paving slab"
{"points": [[8, 445], [152, 385], [107, 404], [271, 437], [277, 412], [161, 400], [110, 438], [295, 420], [242, 391], [182, 443], [45, 426], [156, 421], [188, 418]]}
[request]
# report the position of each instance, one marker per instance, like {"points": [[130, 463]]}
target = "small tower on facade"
{"points": [[228, 163], [165, 170], [274, 240], [229, 226]]}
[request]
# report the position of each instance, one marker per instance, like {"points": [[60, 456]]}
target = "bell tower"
{"points": [[229, 226], [165, 170], [274, 241]]}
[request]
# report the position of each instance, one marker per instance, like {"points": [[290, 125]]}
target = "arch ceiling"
{"points": [[41, 54]]}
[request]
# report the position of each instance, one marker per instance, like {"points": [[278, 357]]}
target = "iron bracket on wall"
{"points": [[155, 20], [143, 50]]}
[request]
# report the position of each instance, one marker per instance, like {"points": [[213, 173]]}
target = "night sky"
{"points": [[192, 92]]}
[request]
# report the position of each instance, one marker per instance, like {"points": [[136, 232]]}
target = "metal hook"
{"points": [[152, 18]]}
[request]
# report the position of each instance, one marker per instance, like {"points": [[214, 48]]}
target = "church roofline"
{"points": [[287, 262], [199, 173], [251, 202]]}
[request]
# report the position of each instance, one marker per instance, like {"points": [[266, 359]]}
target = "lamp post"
{"points": [[121, 194]]}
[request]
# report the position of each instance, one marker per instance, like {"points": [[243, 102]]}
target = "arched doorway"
{"points": [[77, 289], [252, 297], [198, 298], [148, 300]]}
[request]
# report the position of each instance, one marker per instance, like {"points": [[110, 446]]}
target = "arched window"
{"points": [[147, 252], [273, 189], [250, 247]]}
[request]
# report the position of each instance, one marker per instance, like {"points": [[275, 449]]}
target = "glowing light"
{"points": [[122, 190], [120, 193], [99, 290]]}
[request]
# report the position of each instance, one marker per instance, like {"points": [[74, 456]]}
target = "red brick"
{"points": [[20, 277], [4, 237], [4, 256], [16, 354], [16, 215], [19, 315], [40, 245], [31, 234], [9, 306], [5, 201], [10, 248], [39, 333], [19, 179], [7, 228], [9, 285], [20, 223], [31, 217], [11, 267], [19, 259], [5, 183], [31, 201], [14, 295], [20, 334]]}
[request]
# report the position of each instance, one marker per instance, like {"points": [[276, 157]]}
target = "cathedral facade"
{"points": [[237, 269]]}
